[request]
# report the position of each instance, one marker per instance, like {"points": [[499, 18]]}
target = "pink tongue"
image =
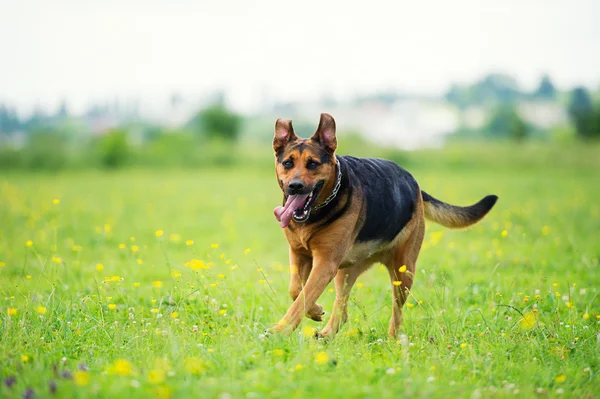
{"points": [[284, 213]]}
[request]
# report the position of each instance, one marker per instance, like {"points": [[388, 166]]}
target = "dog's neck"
{"points": [[335, 189]]}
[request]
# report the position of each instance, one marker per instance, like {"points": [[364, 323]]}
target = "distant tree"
{"points": [[9, 120], [492, 89], [506, 122], [581, 111], [37, 120], [457, 95], [518, 129], [545, 89], [114, 149], [217, 122]]}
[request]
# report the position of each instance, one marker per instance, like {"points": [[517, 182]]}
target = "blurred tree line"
{"points": [[57, 140], [55, 143], [502, 96]]}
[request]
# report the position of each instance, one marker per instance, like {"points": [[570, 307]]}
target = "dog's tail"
{"points": [[456, 216]]}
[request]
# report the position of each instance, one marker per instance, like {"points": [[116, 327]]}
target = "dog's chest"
{"points": [[362, 251]]}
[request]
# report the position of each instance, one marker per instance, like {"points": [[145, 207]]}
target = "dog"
{"points": [[342, 214]]}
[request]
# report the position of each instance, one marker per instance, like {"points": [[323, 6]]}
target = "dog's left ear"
{"points": [[325, 133]]}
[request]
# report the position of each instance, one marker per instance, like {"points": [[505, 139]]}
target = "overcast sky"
{"points": [[92, 50]]}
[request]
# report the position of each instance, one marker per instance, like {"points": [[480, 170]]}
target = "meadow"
{"points": [[161, 283]]}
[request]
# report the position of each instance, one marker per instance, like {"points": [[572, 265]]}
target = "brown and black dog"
{"points": [[342, 214]]}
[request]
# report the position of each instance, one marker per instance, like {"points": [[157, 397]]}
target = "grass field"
{"points": [[161, 284]]}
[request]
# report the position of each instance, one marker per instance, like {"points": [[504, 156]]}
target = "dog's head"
{"points": [[304, 167]]}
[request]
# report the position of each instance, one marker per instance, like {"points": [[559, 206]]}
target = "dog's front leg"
{"points": [[324, 269], [300, 268]]}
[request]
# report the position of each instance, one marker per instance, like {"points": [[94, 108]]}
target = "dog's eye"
{"points": [[312, 165], [288, 164]]}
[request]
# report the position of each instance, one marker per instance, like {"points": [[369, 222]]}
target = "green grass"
{"points": [[492, 314]]}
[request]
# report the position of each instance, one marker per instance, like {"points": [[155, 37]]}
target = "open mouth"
{"points": [[297, 206], [302, 214]]}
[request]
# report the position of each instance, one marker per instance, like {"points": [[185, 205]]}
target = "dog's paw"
{"points": [[326, 333], [316, 313], [276, 329]]}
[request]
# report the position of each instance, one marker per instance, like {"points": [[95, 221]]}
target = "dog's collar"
{"points": [[338, 184]]}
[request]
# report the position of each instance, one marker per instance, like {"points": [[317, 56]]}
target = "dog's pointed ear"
{"points": [[325, 133], [284, 133]]}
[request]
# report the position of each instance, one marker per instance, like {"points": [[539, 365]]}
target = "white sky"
{"points": [[93, 50]]}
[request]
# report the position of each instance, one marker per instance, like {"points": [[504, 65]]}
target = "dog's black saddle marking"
{"points": [[390, 195]]}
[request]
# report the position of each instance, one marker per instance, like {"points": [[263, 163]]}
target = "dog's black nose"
{"points": [[295, 187]]}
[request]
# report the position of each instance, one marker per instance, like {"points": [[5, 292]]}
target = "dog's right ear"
{"points": [[284, 133]]}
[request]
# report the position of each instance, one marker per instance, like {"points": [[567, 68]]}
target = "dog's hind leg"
{"points": [[401, 267], [344, 281], [300, 268]]}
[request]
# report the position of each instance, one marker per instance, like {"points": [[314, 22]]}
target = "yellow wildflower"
{"points": [[24, 358], [529, 321], [308, 331], [56, 201], [159, 233], [81, 378], [12, 311], [321, 358], [504, 233], [402, 269], [214, 246], [174, 315], [561, 378], [194, 365], [156, 376], [189, 242], [99, 267], [112, 306], [29, 243], [246, 251], [41, 310], [463, 345], [397, 283], [122, 367], [157, 284]]}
